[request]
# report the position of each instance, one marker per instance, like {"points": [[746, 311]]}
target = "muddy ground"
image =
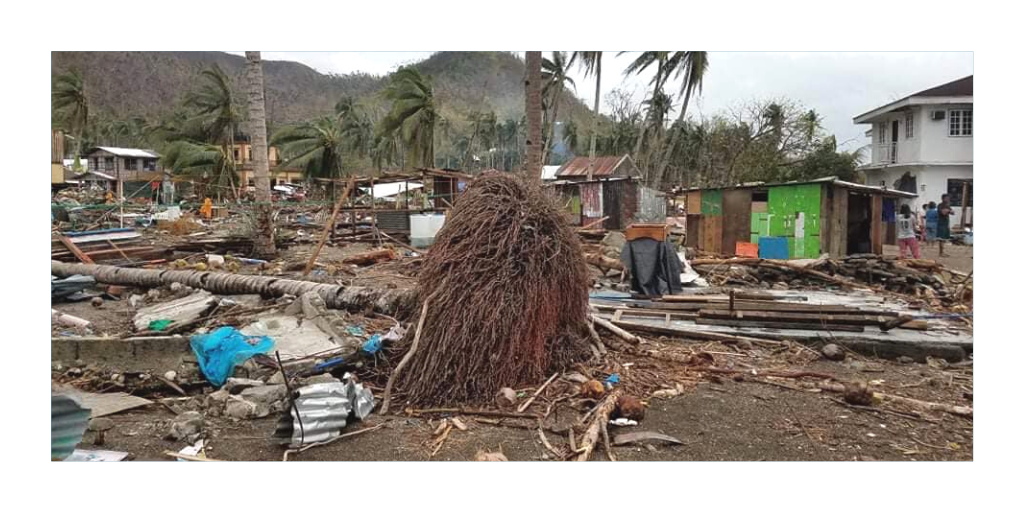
{"points": [[719, 420]]}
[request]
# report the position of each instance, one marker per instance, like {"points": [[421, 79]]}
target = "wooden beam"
{"points": [[84, 258], [329, 228]]}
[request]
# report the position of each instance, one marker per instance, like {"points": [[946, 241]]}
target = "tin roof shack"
{"points": [[792, 220], [578, 168], [621, 199]]}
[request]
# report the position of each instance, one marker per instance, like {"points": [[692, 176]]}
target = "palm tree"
{"points": [[534, 151], [413, 114], [812, 121], [215, 114], [693, 66], [207, 164], [591, 64], [356, 127], [555, 73], [316, 146], [638, 66], [264, 246], [69, 100]]}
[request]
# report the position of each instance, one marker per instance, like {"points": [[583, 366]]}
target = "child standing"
{"points": [[905, 233], [931, 223]]}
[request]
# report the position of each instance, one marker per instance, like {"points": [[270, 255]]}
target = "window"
{"points": [[249, 153], [108, 163], [961, 123], [129, 164], [955, 188], [149, 164], [236, 154], [908, 123]]}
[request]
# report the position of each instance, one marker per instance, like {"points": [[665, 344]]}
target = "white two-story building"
{"points": [[924, 143]]}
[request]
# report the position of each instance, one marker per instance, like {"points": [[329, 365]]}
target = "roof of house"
{"points": [[834, 180], [126, 152], [603, 166], [956, 91]]}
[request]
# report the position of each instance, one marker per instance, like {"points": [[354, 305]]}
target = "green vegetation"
{"points": [[455, 109]]}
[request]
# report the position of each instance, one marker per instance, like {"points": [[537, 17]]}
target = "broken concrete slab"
{"points": [[236, 385], [292, 338], [179, 311], [104, 404], [186, 426], [153, 354], [266, 395]]}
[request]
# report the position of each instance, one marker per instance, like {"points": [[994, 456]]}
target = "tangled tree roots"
{"points": [[509, 296]]}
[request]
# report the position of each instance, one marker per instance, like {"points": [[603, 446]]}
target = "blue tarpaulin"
{"points": [[221, 350]]}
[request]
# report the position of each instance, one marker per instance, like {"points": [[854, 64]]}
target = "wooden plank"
{"points": [[838, 219], [84, 258], [779, 325], [822, 318], [693, 237], [877, 232]]}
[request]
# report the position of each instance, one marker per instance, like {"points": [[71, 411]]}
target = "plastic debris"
{"points": [[221, 350], [159, 325], [612, 380], [355, 330], [372, 345], [623, 422]]}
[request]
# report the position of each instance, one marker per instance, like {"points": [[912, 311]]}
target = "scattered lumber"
{"points": [[764, 324], [603, 262], [84, 258], [616, 330], [329, 229]]}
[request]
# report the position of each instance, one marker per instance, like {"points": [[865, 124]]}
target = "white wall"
{"points": [[931, 182], [937, 145]]}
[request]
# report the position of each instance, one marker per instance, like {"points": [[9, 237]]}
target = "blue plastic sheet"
{"points": [[612, 380], [372, 345], [221, 350]]}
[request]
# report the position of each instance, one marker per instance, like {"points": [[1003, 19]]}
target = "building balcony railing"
{"points": [[885, 153]]}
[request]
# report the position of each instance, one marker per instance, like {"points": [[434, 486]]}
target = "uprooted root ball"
{"points": [[508, 288]]}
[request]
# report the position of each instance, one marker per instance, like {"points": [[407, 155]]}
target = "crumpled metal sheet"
{"points": [[68, 421], [324, 410], [68, 287]]}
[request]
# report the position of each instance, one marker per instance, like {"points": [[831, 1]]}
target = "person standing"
{"points": [[905, 223], [931, 223], [942, 230]]}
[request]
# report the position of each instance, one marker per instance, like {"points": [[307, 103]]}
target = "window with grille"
{"points": [[961, 123], [908, 124]]}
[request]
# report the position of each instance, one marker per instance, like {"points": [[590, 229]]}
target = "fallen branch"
{"points": [[406, 358], [593, 432], [321, 443], [616, 330], [471, 412], [544, 441], [606, 441], [537, 393]]}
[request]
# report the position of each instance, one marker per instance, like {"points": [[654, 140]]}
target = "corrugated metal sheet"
{"points": [[323, 410], [652, 208], [592, 200], [603, 166], [68, 421]]}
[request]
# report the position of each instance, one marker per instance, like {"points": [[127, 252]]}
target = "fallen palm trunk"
{"points": [[335, 296]]}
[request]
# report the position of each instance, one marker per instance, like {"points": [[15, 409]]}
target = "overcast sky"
{"points": [[838, 85]]}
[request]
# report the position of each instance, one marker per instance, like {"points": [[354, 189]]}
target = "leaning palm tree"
{"points": [[207, 165], [413, 114], [215, 113], [70, 102], [591, 64], [316, 146], [555, 73], [693, 66], [534, 151]]}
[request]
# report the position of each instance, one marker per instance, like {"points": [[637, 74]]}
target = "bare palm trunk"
{"points": [[660, 174], [264, 246], [533, 119], [597, 119], [551, 131]]}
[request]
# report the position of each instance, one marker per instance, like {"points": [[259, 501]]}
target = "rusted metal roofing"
{"points": [[603, 166]]}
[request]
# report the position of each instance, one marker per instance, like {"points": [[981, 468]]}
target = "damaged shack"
{"points": [[793, 220], [608, 194]]}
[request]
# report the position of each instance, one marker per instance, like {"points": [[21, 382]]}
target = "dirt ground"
{"points": [[719, 420], [957, 257]]}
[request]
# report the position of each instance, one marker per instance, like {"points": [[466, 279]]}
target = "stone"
{"points": [[240, 409], [236, 385], [96, 302], [323, 378], [857, 393], [482, 456], [275, 378], [265, 395], [833, 352], [136, 300], [614, 239], [171, 375], [904, 359], [100, 424], [218, 397], [186, 426]]}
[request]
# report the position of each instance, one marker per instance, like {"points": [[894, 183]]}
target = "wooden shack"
{"points": [[792, 220], [620, 201]]}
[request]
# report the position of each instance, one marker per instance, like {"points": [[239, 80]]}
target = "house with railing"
{"points": [[924, 143]]}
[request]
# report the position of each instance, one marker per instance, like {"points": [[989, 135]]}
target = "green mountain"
{"points": [[149, 84]]}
